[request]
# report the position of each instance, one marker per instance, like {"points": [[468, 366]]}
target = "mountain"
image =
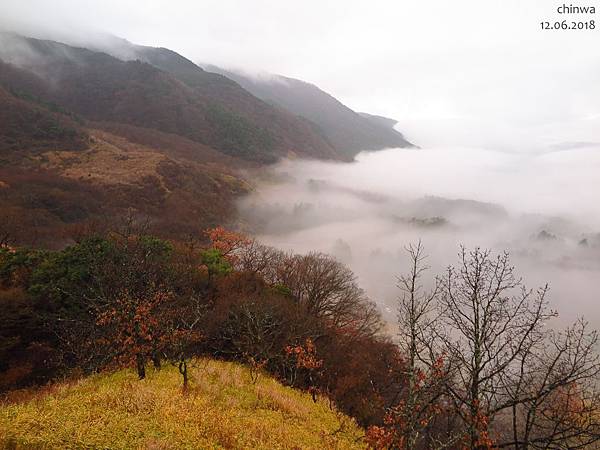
{"points": [[225, 407], [163, 91], [344, 129], [88, 137], [348, 131], [26, 126], [381, 121]]}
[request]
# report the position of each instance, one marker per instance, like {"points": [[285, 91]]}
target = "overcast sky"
{"points": [[481, 69]]}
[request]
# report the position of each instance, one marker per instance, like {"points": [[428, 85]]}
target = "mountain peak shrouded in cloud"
{"points": [[348, 131], [340, 129], [160, 89]]}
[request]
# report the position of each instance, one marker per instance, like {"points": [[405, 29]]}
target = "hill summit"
{"points": [[226, 406]]}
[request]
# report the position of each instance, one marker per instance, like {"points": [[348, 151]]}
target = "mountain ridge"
{"points": [[349, 132], [211, 110]]}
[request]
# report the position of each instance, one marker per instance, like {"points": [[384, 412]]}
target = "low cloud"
{"points": [[541, 207]]}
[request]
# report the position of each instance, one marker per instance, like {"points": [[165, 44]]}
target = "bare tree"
{"points": [[328, 290], [416, 311], [412, 422], [426, 372], [509, 368], [553, 394], [324, 286], [262, 260]]}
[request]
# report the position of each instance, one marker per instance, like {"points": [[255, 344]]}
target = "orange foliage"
{"points": [[306, 359], [420, 406], [306, 356], [481, 425], [136, 327], [380, 437], [566, 405], [227, 242]]}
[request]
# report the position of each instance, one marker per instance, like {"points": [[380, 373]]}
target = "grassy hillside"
{"points": [[224, 408], [58, 171], [50, 192]]}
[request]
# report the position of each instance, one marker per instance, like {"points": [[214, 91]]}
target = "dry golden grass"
{"points": [[113, 160], [109, 160], [222, 409]]}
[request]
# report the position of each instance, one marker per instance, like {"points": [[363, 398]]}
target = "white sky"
{"points": [[484, 65]]}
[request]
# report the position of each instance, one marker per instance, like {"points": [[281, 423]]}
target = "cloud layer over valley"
{"points": [[542, 207]]}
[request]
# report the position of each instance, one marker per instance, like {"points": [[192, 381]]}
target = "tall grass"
{"points": [[223, 408]]}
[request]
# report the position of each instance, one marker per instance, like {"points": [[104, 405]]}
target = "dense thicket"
{"points": [[128, 298]]}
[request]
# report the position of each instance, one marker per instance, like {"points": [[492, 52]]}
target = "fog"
{"points": [[507, 117], [408, 60], [540, 206]]}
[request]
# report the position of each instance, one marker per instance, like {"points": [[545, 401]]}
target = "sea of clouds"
{"points": [[541, 206]]}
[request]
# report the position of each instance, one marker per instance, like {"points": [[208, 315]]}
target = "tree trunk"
{"points": [[141, 366], [184, 373], [156, 361]]}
